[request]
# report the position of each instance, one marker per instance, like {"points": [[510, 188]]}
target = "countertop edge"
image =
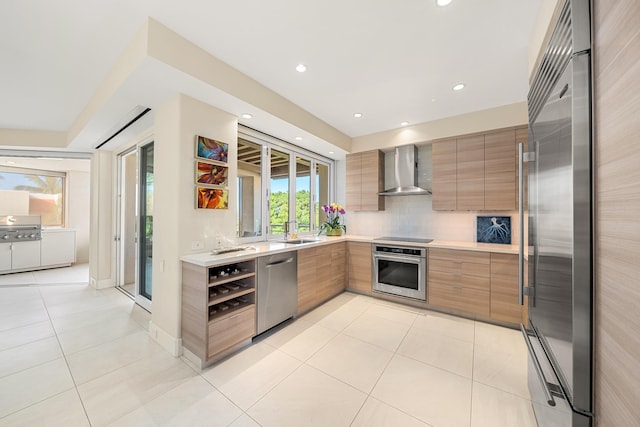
{"points": [[205, 259]]}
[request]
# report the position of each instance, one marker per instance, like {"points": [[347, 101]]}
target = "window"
{"points": [[37, 192], [295, 183]]}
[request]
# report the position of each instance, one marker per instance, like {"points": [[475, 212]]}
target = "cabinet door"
{"points": [[360, 269], [25, 255], [444, 175], [338, 267], [306, 279], [354, 182], [470, 173], [372, 181], [504, 288], [500, 171], [5, 256], [58, 247]]}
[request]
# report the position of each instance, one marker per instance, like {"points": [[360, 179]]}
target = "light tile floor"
{"points": [[74, 356]]}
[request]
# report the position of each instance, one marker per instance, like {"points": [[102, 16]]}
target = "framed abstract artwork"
{"points": [[212, 198], [493, 229], [211, 174], [210, 149]]}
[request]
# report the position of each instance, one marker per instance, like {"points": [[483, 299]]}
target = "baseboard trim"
{"points": [[166, 341]]}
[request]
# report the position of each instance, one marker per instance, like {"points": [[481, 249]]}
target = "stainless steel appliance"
{"points": [[14, 228], [277, 289], [559, 335], [406, 173], [399, 269]]}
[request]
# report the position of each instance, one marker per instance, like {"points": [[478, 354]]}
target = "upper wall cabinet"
{"points": [[365, 179], [478, 172]]}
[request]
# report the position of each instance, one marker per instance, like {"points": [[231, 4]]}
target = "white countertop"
{"points": [[57, 230], [206, 259]]}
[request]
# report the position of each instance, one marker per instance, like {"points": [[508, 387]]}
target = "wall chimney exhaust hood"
{"points": [[406, 173]]}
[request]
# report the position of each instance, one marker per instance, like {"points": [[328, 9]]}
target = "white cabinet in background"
{"points": [[58, 247], [5, 256], [19, 255]]}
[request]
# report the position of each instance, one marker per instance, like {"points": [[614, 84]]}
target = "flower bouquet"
{"points": [[334, 225]]}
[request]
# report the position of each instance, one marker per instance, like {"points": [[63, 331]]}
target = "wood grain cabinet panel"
{"points": [[459, 280], [500, 171], [321, 274], [477, 172], [459, 298], [218, 308], [364, 180], [444, 175], [360, 270], [504, 288], [228, 332], [470, 173]]}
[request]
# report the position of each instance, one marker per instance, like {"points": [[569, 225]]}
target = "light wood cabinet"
{"points": [[477, 283], [365, 179], [218, 307], [444, 175], [478, 172], [500, 179], [321, 274], [470, 173], [459, 280], [360, 270], [504, 288]]}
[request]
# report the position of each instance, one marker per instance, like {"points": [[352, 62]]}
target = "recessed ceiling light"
{"points": [[443, 2], [246, 116], [301, 68], [298, 138], [433, 100], [9, 162], [330, 152], [458, 87], [357, 115], [404, 123]]}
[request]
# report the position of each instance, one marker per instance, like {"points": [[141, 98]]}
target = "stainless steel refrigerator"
{"points": [[559, 334]]}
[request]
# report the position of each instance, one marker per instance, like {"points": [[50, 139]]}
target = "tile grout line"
{"points": [[395, 352], [64, 356]]}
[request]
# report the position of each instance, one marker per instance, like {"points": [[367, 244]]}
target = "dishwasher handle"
{"points": [[284, 261]]}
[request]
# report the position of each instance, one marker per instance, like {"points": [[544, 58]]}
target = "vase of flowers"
{"points": [[334, 225]]}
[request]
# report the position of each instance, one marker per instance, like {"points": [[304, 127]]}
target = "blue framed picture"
{"points": [[493, 229]]}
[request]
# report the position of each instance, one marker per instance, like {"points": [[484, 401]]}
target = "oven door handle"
{"points": [[405, 259]]}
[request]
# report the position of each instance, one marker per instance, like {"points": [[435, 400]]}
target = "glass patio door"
{"points": [[134, 237]]}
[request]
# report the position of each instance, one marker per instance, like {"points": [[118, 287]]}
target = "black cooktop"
{"points": [[404, 239]]}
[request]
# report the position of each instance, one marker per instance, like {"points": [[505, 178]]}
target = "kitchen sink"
{"points": [[299, 241]]}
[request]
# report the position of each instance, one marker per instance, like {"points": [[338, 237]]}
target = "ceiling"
{"points": [[391, 61]]}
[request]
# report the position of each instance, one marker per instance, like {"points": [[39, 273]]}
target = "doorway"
{"points": [[135, 223]]}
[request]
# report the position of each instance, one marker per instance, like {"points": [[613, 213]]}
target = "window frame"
{"points": [[269, 142], [43, 172]]}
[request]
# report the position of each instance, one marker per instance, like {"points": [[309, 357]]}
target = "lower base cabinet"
{"points": [[359, 266], [218, 308], [321, 274], [476, 283]]}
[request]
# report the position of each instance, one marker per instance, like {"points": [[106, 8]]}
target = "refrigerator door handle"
{"points": [[538, 368], [521, 224]]}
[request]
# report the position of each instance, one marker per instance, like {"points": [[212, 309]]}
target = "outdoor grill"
{"points": [[18, 228]]}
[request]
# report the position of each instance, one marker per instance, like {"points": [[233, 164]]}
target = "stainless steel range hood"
{"points": [[406, 173]]}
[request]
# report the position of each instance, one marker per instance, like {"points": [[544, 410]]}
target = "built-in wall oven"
{"points": [[400, 270]]}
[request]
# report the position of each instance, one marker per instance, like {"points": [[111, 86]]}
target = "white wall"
{"points": [[176, 221], [79, 191]]}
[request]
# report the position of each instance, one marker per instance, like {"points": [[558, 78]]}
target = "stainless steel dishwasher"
{"points": [[277, 289]]}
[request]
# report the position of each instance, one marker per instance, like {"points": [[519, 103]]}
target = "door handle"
{"points": [[536, 364], [284, 261]]}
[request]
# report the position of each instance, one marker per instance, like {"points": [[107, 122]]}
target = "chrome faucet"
{"points": [[287, 225]]}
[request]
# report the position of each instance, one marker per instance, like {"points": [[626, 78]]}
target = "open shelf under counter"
{"points": [[221, 315]]}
